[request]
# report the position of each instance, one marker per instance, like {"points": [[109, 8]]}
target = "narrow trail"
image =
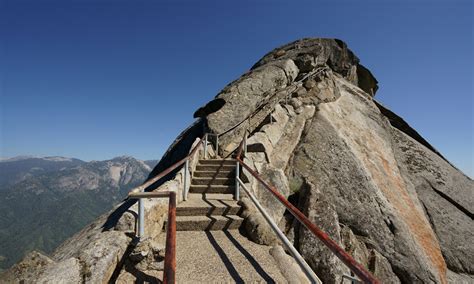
{"points": [[211, 249]]}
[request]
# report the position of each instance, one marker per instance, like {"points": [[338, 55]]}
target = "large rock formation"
{"points": [[355, 168]]}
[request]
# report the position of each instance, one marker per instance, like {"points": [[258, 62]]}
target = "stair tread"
{"points": [[212, 185], [220, 160], [205, 223], [225, 171], [218, 200], [211, 188], [213, 181], [206, 171], [220, 178], [208, 218], [218, 165]]}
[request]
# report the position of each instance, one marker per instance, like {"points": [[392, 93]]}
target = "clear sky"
{"points": [[98, 79]]}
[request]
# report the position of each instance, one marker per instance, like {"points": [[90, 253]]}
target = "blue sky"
{"points": [[97, 79]]}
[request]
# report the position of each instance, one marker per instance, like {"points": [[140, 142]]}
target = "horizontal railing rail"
{"points": [[169, 169], [346, 258], [138, 193]]}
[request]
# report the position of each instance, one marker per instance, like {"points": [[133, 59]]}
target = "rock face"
{"points": [[355, 168]]}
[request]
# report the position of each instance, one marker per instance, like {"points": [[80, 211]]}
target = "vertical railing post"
{"points": [[169, 273], [217, 145], [185, 182], [245, 145], [141, 219], [237, 184], [205, 146]]}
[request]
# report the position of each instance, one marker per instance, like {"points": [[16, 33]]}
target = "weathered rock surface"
{"points": [[356, 169]]}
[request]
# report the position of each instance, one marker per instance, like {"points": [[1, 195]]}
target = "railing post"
{"points": [[237, 184], [205, 146], [169, 275], [186, 174], [245, 145], [141, 219], [217, 145]]}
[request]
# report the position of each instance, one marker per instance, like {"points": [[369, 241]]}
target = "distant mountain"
{"points": [[151, 163], [46, 200], [13, 170]]}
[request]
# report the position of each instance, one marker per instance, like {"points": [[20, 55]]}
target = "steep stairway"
{"points": [[210, 205], [210, 247]]}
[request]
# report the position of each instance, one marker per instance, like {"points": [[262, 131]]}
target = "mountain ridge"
{"points": [[313, 131], [63, 194]]}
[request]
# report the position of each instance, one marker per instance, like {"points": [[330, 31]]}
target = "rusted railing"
{"points": [[138, 193], [169, 169], [346, 258], [170, 251]]}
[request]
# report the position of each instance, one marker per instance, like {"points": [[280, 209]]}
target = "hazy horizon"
{"points": [[77, 158]]}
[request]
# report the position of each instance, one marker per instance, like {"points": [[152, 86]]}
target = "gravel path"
{"points": [[223, 257]]}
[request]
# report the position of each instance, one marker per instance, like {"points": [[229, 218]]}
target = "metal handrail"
{"points": [[206, 140], [305, 267], [170, 250], [168, 170], [346, 258], [138, 193]]}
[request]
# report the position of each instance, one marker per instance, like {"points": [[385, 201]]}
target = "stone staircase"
{"points": [[209, 248], [210, 205]]}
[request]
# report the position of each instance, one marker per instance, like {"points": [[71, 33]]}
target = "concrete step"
{"points": [[208, 204], [213, 181], [220, 174], [205, 223], [217, 162], [215, 168], [212, 189]]}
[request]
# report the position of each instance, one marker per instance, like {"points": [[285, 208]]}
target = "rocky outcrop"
{"points": [[275, 72], [356, 169]]}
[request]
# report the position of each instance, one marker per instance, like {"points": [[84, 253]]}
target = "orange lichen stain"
{"points": [[394, 189], [375, 153]]}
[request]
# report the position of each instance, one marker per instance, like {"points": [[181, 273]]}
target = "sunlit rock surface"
{"points": [[355, 168]]}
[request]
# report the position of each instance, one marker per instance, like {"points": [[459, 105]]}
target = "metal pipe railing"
{"points": [[346, 258], [206, 142], [237, 179], [141, 219], [168, 170], [170, 250], [299, 259], [170, 262], [138, 193], [185, 181]]}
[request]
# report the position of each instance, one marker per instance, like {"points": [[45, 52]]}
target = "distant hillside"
{"points": [[13, 170], [46, 200], [151, 163]]}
